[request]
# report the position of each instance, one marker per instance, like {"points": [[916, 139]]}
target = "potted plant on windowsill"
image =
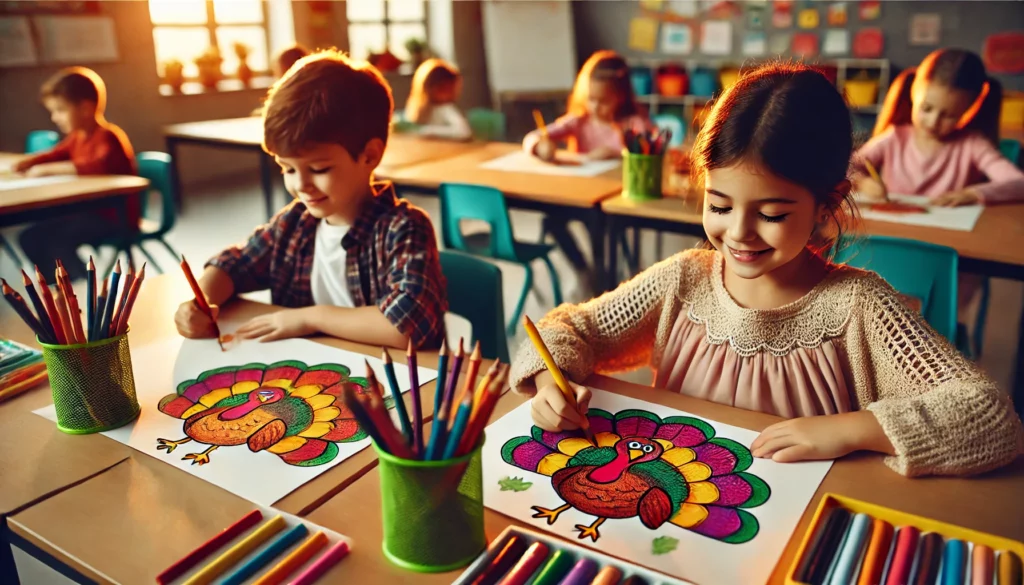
{"points": [[174, 74], [209, 67], [418, 51], [244, 73]]}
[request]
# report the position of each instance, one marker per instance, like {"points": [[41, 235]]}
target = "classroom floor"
{"points": [[218, 214]]}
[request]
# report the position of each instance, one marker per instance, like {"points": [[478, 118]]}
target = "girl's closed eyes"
{"points": [[769, 218]]}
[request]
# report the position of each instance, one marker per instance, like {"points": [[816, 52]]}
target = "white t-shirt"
{"points": [[446, 121], [328, 281]]}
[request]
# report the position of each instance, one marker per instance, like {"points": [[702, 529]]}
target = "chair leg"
{"points": [[174, 253], [518, 312], [149, 257], [10, 251], [979, 323], [556, 285]]}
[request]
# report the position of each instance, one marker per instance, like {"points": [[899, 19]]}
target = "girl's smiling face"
{"points": [[759, 222]]}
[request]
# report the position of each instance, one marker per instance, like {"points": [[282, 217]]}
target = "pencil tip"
{"points": [[408, 347], [385, 355], [444, 346], [117, 267]]}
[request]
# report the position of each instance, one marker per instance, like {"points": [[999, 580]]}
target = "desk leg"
{"points": [[1017, 391], [8, 572], [615, 231], [267, 183], [172, 150], [598, 242]]}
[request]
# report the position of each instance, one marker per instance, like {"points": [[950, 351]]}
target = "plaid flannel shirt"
{"points": [[391, 262]]}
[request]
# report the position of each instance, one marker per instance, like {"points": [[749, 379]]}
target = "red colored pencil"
{"points": [[126, 287], [207, 548], [200, 298], [467, 385], [471, 438], [51, 308], [62, 316], [74, 311], [37, 303], [122, 318]]}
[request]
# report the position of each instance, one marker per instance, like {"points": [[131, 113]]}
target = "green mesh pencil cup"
{"points": [[641, 175], [433, 511], [93, 385]]}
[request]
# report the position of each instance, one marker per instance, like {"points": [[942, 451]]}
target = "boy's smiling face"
{"points": [[332, 185]]}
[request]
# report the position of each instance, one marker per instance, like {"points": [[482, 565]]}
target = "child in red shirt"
{"points": [[76, 98]]}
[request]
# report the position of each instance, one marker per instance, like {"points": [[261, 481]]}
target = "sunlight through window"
{"points": [[378, 24]]}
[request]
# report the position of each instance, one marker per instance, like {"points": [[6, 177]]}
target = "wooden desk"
{"points": [[20, 205], [569, 197], [994, 248], [247, 134], [994, 505]]}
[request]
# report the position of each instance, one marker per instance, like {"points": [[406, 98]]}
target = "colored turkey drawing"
{"points": [[287, 408], [672, 470]]}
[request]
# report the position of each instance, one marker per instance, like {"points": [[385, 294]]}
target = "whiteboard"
{"points": [[530, 45]]}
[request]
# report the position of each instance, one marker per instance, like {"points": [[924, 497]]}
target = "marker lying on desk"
{"points": [[556, 373], [294, 560], [236, 553], [322, 565], [207, 548], [265, 556]]}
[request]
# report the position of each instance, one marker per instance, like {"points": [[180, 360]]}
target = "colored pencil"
{"points": [[126, 312], [873, 172], [453, 375], [201, 299], [234, 554], [95, 326], [322, 565], [71, 300], [467, 385], [207, 548], [609, 575], [903, 556], [483, 385], [442, 375], [265, 556], [478, 419], [62, 316], [348, 396], [527, 565], [981, 565], [396, 395], [44, 317], [126, 286], [90, 298], [877, 551], [556, 373], [555, 569], [1009, 568], [455, 435], [378, 414], [417, 408], [438, 435], [815, 564], [51, 308], [15, 300], [582, 573], [294, 560], [953, 557], [850, 554], [538, 119], [108, 311], [505, 558]]}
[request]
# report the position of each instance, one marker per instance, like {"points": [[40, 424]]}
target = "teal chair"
{"points": [[40, 140], [1010, 149], [475, 293], [486, 124], [155, 166], [461, 202], [927, 272], [675, 124]]}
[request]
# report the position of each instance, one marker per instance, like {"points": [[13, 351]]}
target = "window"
{"points": [[376, 24], [184, 29]]}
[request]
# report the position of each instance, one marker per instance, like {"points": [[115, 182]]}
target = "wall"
{"points": [[965, 24]]}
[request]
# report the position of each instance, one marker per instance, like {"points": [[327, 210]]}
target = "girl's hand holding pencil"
{"points": [[551, 411]]}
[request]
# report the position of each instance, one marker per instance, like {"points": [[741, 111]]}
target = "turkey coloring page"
{"points": [[259, 420], [663, 488]]}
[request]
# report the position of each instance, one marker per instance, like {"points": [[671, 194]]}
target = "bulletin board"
{"points": [[529, 46]]}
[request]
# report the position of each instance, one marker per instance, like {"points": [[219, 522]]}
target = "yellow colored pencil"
{"points": [[293, 561], [556, 373], [874, 175], [539, 120], [234, 554]]}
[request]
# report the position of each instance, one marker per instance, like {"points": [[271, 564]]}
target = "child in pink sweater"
{"points": [[937, 136], [601, 105], [764, 321]]}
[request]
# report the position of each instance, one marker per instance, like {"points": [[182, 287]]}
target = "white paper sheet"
{"points": [[291, 521], [520, 162], [19, 182], [684, 553], [261, 477], [950, 218]]}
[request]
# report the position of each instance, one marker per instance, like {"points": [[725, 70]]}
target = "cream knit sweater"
{"points": [[942, 414]]}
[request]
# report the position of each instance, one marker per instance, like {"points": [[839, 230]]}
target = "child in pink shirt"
{"points": [[937, 136], [601, 105]]}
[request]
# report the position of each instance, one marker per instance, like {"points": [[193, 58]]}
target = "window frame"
{"points": [[387, 21], [211, 25]]}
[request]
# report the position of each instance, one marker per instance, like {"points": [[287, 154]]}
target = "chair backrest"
{"points": [[475, 293], [486, 124], [40, 140], [927, 272], [156, 167], [476, 202], [1010, 149], [673, 123]]}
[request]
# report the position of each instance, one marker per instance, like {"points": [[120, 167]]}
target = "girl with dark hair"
{"points": [[938, 133], [765, 321]]}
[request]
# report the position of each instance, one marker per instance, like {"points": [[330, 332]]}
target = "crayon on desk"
{"points": [[953, 565], [1009, 568], [635, 580], [929, 555], [207, 548], [816, 562], [903, 556], [608, 576], [877, 553], [322, 565], [981, 565], [853, 546], [266, 556], [504, 560], [234, 554], [528, 564], [555, 570], [581, 573], [294, 560]]}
